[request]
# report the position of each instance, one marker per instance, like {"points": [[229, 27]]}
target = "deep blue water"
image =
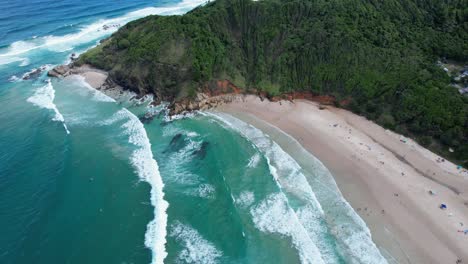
{"points": [[23, 20]]}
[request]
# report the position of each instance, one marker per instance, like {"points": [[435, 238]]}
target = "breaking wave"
{"points": [[274, 215], [44, 98], [196, 249], [14, 78], [353, 238], [253, 161], [18, 51], [147, 169], [97, 95]]}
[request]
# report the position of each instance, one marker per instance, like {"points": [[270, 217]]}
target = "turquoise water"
{"points": [[83, 180]]}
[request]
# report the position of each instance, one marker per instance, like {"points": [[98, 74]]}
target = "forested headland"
{"points": [[379, 57]]}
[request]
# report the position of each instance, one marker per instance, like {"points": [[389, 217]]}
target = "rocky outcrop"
{"points": [[211, 94], [59, 71], [34, 73], [201, 102]]}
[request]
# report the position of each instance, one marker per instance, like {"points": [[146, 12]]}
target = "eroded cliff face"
{"points": [[211, 94]]}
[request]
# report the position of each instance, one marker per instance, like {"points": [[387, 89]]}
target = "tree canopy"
{"points": [[378, 55]]}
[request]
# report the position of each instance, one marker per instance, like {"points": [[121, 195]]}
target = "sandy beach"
{"points": [[385, 177], [97, 79], [94, 77]]}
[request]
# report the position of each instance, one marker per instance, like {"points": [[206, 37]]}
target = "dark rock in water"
{"points": [[34, 73], [201, 152], [177, 142], [59, 71], [146, 119], [160, 114], [73, 57], [175, 139], [107, 27]]}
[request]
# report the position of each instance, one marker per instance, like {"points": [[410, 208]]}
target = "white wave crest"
{"points": [[196, 248], [24, 63], [44, 98], [147, 169], [314, 224], [177, 161], [253, 161], [273, 215], [18, 51], [97, 95], [10, 59], [283, 167], [192, 134], [14, 78], [36, 71], [352, 235]]}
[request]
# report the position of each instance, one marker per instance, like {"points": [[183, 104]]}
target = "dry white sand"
{"points": [[387, 181]]}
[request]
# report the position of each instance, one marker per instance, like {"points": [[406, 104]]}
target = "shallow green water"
{"points": [[234, 195], [84, 180]]}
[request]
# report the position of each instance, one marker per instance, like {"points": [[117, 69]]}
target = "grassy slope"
{"points": [[380, 54]]}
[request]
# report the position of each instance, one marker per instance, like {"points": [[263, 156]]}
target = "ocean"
{"points": [[86, 179]]}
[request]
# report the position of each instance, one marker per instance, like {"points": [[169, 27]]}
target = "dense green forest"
{"points": [[379, 55]]}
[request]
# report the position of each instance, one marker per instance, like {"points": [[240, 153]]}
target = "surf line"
{"points": [[44, 98], [147, 169]]}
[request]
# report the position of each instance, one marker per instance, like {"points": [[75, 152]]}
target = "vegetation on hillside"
{"points": [[379, 55]]}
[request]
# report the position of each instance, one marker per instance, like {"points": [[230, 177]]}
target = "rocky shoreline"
{"points": [[210, 95], [224, 92]]}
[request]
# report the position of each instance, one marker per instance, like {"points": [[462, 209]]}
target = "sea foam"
{"points": [[274, 215], [44, 98], [14, 78], [206, 190], [18, 51], [245, 199], [253, 161], [97, 95], [352, 233], [147, 169], [196, 249], [353, 238]]}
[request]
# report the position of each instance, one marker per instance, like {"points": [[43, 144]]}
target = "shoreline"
{"points": [[405, 221], [95, 78], [386, 181]]}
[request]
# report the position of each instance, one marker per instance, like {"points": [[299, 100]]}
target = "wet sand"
{"points": [[384, 176]]}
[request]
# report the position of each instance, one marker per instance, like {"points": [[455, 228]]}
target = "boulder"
{"points": [[59, 71], [34, 73]]}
